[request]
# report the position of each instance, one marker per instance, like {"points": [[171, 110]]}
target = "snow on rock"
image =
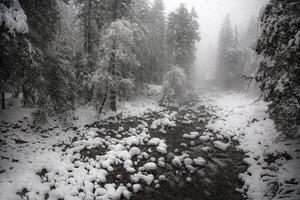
{"points": [[167, 122], [136, 188], [162, 149], [204, 138], [192, 135], [199, 161], [176, 162], [134, 151], [154, 141], [92, 133], [188, 161], [132, 140], [164, 121], [187, 122], [161, 145], [121, 129], [113, 193], [126, 194], [151, 166], [221, 145], [188, 179], [148, 179]]}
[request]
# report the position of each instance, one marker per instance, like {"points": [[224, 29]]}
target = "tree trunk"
{"points": [[112, 71], [88, 49], [112, 67], [25, 96], [16, 92], [2, 77], [3, 100], [104, 99], [2, 96], [89, 35]]}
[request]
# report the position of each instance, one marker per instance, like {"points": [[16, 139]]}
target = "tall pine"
{"points": [[117, 53], [229, 69], [182, 35], [158, 40]]}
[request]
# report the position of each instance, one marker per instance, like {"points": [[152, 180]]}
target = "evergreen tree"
{"points": [[230, 65], [57, 83], [278, 75], [158, 41], [49, 78], [151, 52], [13, 26], [141, 15], [117, 57], [43, 18], [91, 19], [182, 35]]}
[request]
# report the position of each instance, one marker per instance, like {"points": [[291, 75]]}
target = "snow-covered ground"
{"points": [[38, 163], [274, 162], [27, 150]]}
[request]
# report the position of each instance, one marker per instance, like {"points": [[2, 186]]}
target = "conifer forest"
{"points": [[149, 100]]}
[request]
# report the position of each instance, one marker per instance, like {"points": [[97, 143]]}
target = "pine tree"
{"points": [[230, 63], [43, 18], [278, 75], [158, 40], [57, 84], [13, 45], [141, 15], [151, 52], [91, 19], [117, 57], [48, 81], [182, 35]]}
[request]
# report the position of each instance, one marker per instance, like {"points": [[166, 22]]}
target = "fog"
{"points": [[211, 15]]}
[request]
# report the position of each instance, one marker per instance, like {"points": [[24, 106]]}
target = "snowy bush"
{"points": [[279, 75], [174, 85], [12, 17]]}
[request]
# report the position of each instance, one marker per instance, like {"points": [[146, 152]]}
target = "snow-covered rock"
{"points": [[151, 166], [148, 179], [199, 161], [136, 188], [176, 162], [221, 145]]}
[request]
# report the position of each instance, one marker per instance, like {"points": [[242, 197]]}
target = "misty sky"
{"points": [[212, 12], [211, 15]]}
